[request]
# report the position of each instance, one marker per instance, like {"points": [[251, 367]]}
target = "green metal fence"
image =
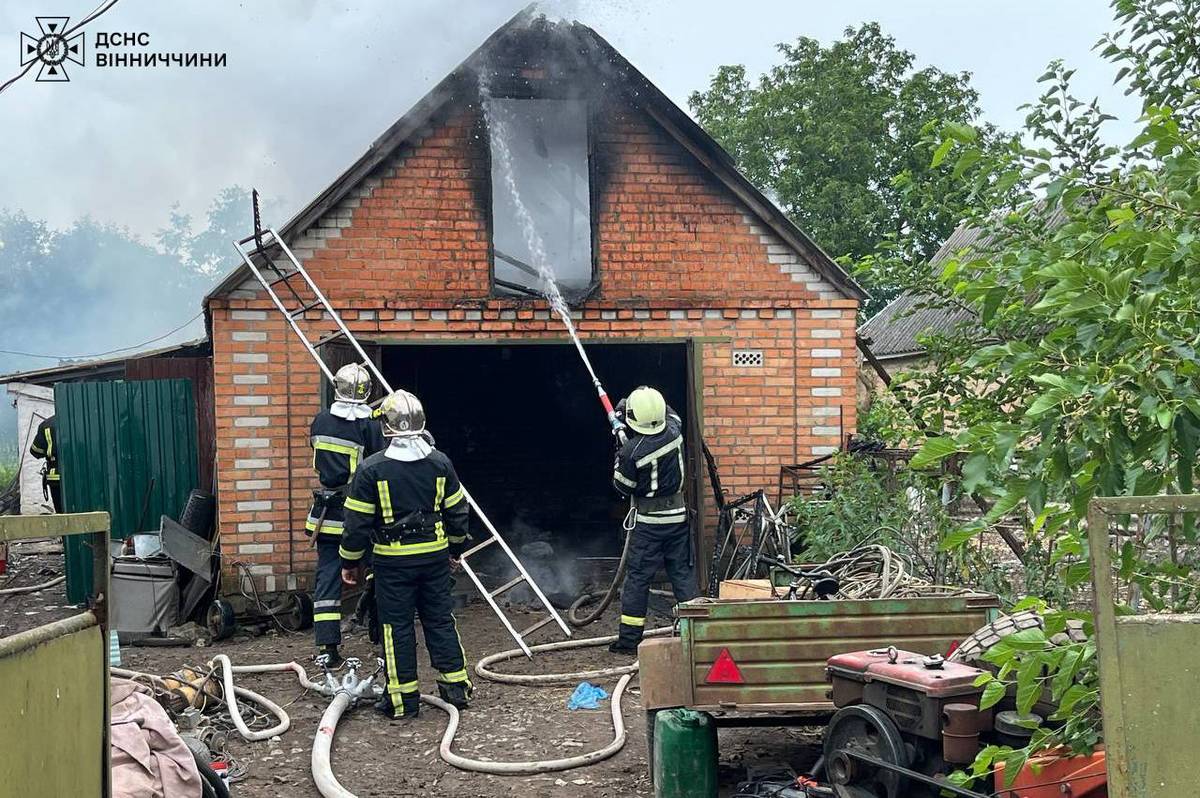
{"points": [[126, 448]]}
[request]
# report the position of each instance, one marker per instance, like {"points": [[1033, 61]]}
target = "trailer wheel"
{"points": [[972, 649], [221, 620], [300, 613]]}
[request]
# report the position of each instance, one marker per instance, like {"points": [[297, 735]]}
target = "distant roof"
{"points": [[894, 331], [584, 41], [112, 367]]}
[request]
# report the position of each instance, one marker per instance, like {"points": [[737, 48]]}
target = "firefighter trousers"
{"points": [[419, 584], [654, 545], [327, 592]]}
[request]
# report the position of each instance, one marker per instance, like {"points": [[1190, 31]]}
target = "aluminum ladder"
{"points": [[303, 296]]}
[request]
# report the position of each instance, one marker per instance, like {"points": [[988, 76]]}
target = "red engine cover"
{"points": [[909, 670]]}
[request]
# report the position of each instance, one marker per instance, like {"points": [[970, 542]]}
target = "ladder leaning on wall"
{"points": [[302, 295]]}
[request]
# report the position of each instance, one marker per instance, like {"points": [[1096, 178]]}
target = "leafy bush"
{"points": [[865, 501], [1080, 377], [8, 463]]}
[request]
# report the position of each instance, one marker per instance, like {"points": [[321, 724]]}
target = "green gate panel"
{"points": [[124, 447]]}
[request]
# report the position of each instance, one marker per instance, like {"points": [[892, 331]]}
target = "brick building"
{"points": [[681, 274]]}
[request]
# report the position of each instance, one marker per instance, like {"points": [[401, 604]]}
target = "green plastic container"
{"points": [[685, 754]]}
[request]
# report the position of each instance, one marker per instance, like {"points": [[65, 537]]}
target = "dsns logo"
{"points": [[57, 45]]}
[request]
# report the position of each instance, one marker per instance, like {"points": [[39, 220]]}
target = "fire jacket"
{"points": [[650, 469], [43, 447], [404, 508], [340, 444]]}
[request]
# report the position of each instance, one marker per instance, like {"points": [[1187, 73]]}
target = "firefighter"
{"points": [[407, 507], [45, 447], [341, 437], [649, 469]]}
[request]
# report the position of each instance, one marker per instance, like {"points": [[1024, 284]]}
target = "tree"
{"points": [[209, 252], [1081, 378], [837, 135]]}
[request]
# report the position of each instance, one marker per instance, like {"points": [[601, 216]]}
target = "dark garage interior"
{"points": [[529, 439]]}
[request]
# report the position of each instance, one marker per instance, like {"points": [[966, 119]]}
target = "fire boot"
{"points": [[620, 647], [410, 708], [329, 658], [457, 694]]}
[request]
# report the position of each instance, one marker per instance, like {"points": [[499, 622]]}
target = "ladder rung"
{"points": [[509, 585], [282, 279], [547, 620], [477, 547], [330, 338], [316, 303]]}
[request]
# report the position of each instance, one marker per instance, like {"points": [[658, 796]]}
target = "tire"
{"points": [[300, 614], [972, 649], [220, 619], [199, 511]]}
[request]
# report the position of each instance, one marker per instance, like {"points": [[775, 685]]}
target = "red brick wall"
{"points": [[406, 256]]}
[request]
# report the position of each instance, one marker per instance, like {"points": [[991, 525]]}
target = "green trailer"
{"points": [[762, 662]]}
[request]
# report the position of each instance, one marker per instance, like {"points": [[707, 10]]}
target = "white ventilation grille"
{"points": [[747, 358]]}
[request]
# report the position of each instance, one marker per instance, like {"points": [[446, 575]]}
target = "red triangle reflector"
{"points": [[724, 670]]}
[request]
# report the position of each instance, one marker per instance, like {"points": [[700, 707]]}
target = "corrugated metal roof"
{"points": [[893, 331], [113, 367]]}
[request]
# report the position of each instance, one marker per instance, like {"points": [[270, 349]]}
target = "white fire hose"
{"points": [[351, 688]]}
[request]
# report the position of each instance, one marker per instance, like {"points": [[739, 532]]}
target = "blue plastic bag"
{"points": [[586, 696]]}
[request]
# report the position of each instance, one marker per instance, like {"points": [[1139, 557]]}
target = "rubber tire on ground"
{"points": [[220, 619], [972, 649], [199, 512]]}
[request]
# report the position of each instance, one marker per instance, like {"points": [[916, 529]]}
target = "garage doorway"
{"points": [[523, 425]]}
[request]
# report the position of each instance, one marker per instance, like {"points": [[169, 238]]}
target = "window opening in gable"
{"points": [[547, 148]]}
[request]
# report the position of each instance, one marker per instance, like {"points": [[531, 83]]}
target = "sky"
{"points": [[309, 84]]}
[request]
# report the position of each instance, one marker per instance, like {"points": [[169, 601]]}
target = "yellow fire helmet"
{"points": [[646, 411]]}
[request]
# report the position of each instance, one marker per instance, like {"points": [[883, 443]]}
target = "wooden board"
{"points": [[747, 589]]}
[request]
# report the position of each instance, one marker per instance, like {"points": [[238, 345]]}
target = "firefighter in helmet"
{"points": [[342, 437], [649, 469], [45, 447], [408, 509]]}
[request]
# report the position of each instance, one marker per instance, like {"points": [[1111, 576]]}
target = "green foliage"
{"points": [[838, 134], [9, 462], [1035, 667], [886, 420], [1079, 376], [867, 502]]}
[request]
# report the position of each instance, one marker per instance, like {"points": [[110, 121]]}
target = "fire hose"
{"points": [[351, 688], [16, 591]]}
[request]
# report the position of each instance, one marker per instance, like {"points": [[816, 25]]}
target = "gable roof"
{"points": [[586, 42]]}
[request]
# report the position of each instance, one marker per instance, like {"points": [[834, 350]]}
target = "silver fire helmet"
{"points": [[352, 383], [403, 415]]}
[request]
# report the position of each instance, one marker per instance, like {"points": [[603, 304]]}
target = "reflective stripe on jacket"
{"points": [[385, 492], [340, 445], [652, 466]]}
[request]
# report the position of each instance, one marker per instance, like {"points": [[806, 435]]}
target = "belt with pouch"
{"points": [[409, 525], [326, 498], [659, 504]]}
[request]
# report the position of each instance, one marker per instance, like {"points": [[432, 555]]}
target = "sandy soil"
{"points": [[375, 757]]}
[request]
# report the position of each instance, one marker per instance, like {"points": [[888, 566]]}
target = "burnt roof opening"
{"points": [[541, 185]]}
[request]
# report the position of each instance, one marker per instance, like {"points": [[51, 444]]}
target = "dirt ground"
{"points": [[375, 757]]}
